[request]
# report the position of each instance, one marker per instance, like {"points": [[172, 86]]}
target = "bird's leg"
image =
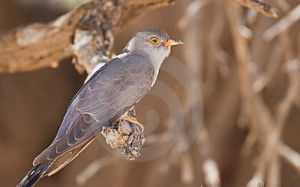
{"points": [[129, 116], [129, 119]]}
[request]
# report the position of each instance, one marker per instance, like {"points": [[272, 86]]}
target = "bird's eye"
{"points": [[154, 41]]}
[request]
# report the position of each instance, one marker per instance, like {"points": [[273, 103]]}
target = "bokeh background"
{"points": [[33, 103]]}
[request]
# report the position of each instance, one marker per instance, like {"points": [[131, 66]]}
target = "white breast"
{"points": [[157, 60]]}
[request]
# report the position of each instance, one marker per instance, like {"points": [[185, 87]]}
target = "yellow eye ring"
{"points": [[154, 41]]}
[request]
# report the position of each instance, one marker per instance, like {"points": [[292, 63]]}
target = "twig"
{"points": [[263, 160], [290, 155], [187, 168], [209, 165], [283, 4], [290, 97], [274, 172], [190, 23], [92, 169], [294, 84], [258, 5], [191, 12], [273, 66], [282, 24], [216, 53]]}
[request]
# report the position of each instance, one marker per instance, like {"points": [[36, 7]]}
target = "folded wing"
{"points": [[109, 93]]}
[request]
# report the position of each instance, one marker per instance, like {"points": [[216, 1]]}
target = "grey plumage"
{"points": [[114, 89], [109, 93]]}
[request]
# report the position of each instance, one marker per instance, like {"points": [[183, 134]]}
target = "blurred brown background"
{"points": [[33, 103]]}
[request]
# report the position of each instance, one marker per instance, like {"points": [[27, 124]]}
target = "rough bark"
{"points": [[42, 45]]}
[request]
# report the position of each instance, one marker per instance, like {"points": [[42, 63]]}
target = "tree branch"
{"points": [[258, 5], [44, 45]]}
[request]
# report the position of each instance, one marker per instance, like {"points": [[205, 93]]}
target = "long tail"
{"points": [[34, 175]]}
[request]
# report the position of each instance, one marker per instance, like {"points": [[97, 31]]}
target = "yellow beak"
{"points": [[172, 42]]}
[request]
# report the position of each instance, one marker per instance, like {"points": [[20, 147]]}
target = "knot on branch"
{"points": [[126, 136], [91, 48]]}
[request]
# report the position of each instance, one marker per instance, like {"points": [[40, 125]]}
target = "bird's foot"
{"points": [[129, 119]]}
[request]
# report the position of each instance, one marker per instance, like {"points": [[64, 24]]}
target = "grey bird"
{"points": [[110, 92]]}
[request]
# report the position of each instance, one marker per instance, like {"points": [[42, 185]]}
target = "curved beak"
{"points": [[172, 42]]}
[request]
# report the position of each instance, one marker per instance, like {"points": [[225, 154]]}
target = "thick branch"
{"points": [[42, 45]]}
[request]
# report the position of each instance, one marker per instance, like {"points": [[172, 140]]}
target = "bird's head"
{"points": [[153, 42]]}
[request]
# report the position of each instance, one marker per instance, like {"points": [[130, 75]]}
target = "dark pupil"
{"points": [[154, 41]]}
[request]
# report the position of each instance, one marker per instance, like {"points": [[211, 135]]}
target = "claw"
{"points": [[130, 119]]}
